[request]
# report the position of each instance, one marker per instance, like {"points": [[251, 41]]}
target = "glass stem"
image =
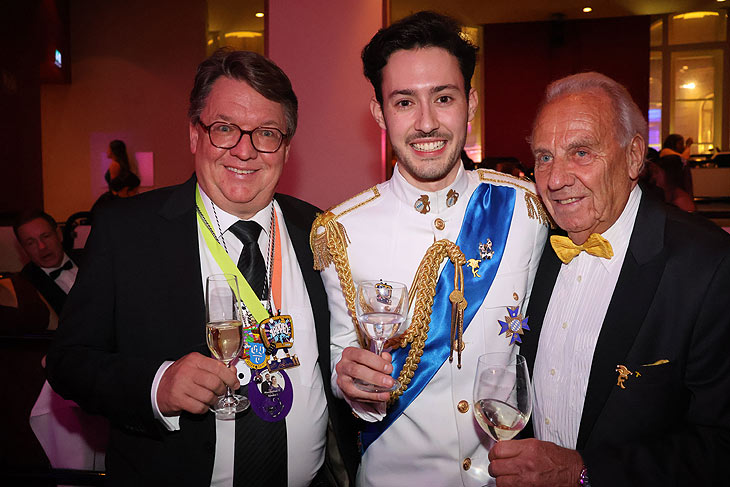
{"points": [[379, 344]]}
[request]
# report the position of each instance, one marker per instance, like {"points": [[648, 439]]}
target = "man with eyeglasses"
{"points": [[132, 345]]}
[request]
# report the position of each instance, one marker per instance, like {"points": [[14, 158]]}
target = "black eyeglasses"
{"points": [[227, 136]]}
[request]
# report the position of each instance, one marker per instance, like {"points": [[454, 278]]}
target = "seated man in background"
{"points": [[50, 270]]}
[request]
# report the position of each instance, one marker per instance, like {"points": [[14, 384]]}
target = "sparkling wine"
{"points": [[225, 339], [381, 326], [500, 420]]}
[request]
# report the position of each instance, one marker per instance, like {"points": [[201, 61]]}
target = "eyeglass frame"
{"points": [[243, 132]]}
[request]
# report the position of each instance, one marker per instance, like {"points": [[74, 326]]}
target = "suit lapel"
{"points": [[52, 292], [298, 227], [637, 283], [542, 290], [180, 262]]}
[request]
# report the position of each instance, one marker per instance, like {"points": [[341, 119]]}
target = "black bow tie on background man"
{"points": [[253, 434], [57, 272]]}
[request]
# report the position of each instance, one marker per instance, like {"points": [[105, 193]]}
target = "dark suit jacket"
{"points": [[53, 294], [137, 302], [671, 424]]}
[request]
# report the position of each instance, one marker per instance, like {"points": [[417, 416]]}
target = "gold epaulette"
{"points": [[328, 240], [535, 208], [328, 237]]}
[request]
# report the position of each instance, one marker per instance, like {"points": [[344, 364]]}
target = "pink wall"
{"points": [[133, 63], [336, 150], [133, 67]]}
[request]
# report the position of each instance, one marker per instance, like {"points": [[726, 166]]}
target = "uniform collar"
{"points": [[429, 202]]}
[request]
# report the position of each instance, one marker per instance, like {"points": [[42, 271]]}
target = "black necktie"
{"points": [[260, 458], [251, 262], [57, 272]]}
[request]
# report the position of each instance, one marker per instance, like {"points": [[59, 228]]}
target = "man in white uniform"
{"points": [[425, 434]]}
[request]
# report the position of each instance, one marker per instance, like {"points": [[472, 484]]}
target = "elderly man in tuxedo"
{"points": [[631, 369], [131, 344]]}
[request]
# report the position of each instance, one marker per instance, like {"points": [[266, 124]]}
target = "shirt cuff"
{"points": [[171, 423], [370, 412]]}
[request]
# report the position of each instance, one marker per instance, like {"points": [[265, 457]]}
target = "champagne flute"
{"points": [[224, 334], [502, 394], [381, 308]]}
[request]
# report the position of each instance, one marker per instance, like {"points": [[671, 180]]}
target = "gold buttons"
{"points": [[463, 406], [515, 297], [439, 224], [466, 464], [565, 325], [552, 371]]}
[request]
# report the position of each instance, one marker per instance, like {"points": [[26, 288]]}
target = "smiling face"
{"points": [[583, 174], [425, 112], [241, 180], [41, 242]]}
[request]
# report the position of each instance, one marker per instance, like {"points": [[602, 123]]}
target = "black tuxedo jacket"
{"points": [[671, 424], [51, 292], [137, 302]]}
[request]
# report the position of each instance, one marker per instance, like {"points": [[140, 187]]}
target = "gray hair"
{"points": [[629, 119]]}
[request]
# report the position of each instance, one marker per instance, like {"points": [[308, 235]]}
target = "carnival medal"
{"points": [[277, 333], [271, 394]]}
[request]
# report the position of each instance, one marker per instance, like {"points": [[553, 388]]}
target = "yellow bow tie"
{"points": [[595, 245]]}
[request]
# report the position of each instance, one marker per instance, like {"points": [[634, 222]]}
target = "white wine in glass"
{"points": [[381, 309], [224, 334], [502, 394]]}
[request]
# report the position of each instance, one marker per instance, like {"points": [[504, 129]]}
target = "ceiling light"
{"points": [[259, 14], [587, 9], [695, 15], [243, 34], [688, 86]]}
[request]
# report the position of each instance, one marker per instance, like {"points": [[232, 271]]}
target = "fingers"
{"points": [[366, 366], [193, 383]]}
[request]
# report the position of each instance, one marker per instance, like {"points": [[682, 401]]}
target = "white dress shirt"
{"points": [[65, 279], [306, 423], [570, 330]]}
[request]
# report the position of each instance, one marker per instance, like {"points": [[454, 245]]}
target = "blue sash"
{"points": [[488, 215]]}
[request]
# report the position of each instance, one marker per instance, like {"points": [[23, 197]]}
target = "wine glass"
{"points": [[224, 334], [502, 394], [381, 308]]}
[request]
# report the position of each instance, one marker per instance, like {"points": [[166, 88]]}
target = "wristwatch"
{"points": [[583, 479]]}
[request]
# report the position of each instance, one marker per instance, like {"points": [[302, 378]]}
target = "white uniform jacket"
{"points": [[436, 441]]}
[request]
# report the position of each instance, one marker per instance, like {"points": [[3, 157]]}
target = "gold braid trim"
{"points": [[535, 208], [422, 292], [328, 240]]}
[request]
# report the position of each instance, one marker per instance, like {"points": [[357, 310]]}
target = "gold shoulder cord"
{"points": [[423, 290], [328, 241]]}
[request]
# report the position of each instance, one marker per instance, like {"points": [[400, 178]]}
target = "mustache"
{"points": [[434, 134]]}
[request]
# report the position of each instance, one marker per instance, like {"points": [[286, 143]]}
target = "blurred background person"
{"points": [[675, 145], [51, 271], [122, 180]]}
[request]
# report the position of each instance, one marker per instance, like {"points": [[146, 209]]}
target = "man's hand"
{"points": [[193, 383], [357, 363], [534, 463]]}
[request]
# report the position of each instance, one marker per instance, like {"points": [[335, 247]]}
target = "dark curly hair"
{"points": [[422, 29]]}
